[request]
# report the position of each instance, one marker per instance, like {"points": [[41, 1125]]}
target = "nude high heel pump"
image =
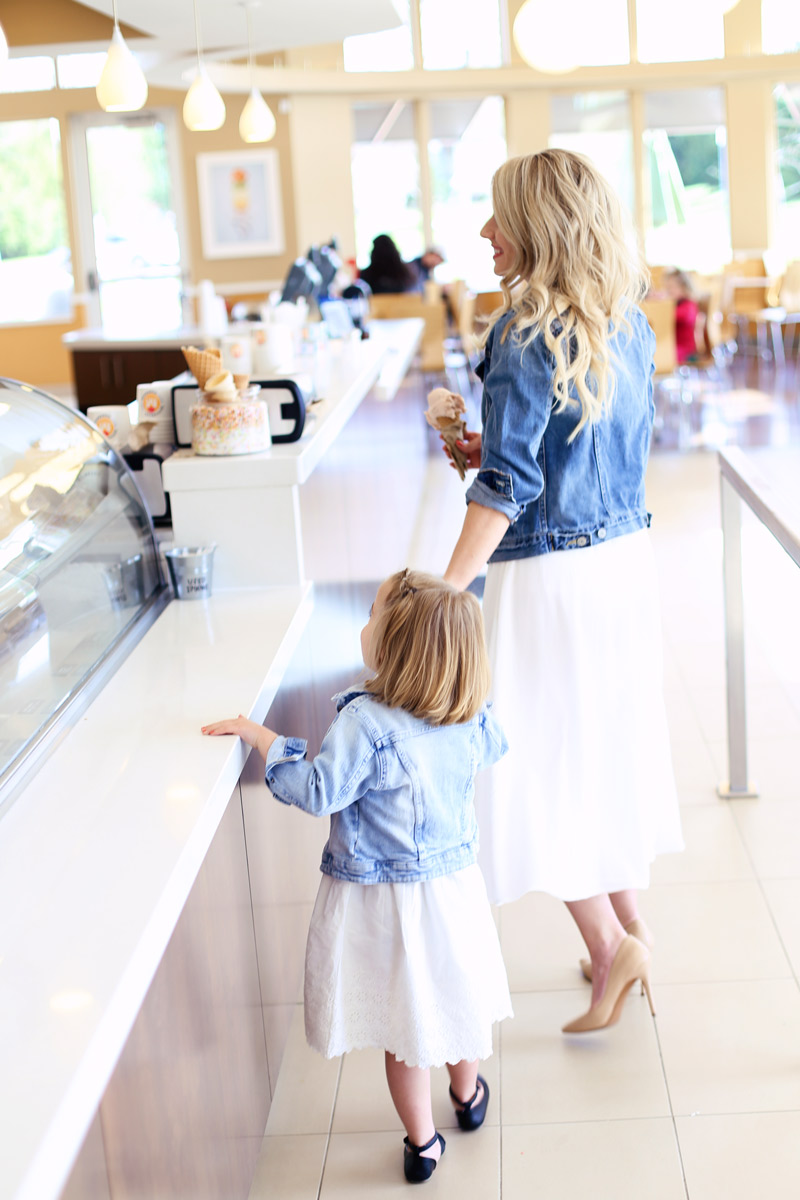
{"points": [[636, 928], [631, 962]]}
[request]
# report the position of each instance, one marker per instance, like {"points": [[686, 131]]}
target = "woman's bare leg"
{"points": [[603, 933], [410, 1089], [625, 905]]}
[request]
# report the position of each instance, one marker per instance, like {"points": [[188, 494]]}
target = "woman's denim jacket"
{"points": [[399, 791], [560, 495]]}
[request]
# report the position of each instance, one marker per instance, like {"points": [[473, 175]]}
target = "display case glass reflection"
{"points": [[79, 564]]}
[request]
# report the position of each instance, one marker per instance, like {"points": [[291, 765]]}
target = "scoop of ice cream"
{"points": [[221, 386], [444, 407]]}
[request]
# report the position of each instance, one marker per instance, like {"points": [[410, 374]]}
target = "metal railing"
{"points": [[740, 482]]}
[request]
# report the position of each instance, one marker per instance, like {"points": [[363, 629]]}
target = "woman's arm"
{"points": [[480, 536]]}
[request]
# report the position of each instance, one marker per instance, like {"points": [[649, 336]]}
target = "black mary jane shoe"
{"points": [[417, 1168], [469, 1114]]}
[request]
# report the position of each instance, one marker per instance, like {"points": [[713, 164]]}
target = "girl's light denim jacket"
{"points": [[398, 790], [561, 495]]}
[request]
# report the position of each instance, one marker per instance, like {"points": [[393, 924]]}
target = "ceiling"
{"points": [[167, 50]]}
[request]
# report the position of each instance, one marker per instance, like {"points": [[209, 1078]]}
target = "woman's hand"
{"points": [[253, 734], [471, 447]]}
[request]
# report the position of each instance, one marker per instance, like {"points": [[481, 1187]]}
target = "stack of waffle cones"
{"points": [[202, 363], [443, 415]]}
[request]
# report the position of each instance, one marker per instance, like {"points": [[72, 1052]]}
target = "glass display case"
{"points": [[80, 576]]}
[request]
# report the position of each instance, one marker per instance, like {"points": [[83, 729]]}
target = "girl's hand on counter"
{"points": [[253, 734]]}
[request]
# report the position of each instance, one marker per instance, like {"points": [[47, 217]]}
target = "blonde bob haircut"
{"points": [[574, 276], [430, 649]]}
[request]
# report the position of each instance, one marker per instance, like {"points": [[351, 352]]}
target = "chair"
{"points": [[399, 305], [783, 314], [461, 351], [746, 288]]}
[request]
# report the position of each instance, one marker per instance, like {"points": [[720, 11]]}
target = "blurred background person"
{"points": [[387, 273]]}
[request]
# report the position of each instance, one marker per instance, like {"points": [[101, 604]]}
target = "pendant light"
{"points": [[3, 48], [122, 86], [203, 107], [257, 123], [540, 39]]}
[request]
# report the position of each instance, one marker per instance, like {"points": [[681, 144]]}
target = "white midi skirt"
{"points": [[412, 968], [585, 798]]}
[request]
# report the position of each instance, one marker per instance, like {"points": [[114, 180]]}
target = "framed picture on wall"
{"points": [[240, 203]]}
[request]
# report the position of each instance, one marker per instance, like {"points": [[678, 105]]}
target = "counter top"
{"points": [[380, 362], [163, 339], [98, 856]]}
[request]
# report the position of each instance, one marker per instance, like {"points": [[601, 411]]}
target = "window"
{"points": [[37, 74], [467, 145], [389, 50], [80, 70], [680, 31], [688, 221], [385, 168], [35, 267], [780, 27], [597, 124], [460, 33], [787, 119]]}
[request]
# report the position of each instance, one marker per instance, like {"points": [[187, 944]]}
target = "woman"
{"points": [[585, 798], [387, 273]]}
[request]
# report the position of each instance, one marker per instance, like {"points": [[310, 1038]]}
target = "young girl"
{"points": [[402, 950]]}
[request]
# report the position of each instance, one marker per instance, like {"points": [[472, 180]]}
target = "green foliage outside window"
{"points": [[32, 216]]}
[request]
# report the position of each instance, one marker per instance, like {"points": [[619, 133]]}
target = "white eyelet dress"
{"points": [[413, 968]]}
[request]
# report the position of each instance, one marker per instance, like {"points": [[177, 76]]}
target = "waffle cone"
{"points": [[202, 363], [241, 382], [452, 432]]}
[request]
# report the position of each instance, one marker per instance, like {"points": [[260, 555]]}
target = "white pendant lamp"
{"points": [[3, 48], [257, 123], [122, 86], [203, 107], [541, 41]]}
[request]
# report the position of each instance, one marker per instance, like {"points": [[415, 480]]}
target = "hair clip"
{"points": [[406, 589]]}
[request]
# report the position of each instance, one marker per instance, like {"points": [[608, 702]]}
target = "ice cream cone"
{"points": [[451, 433], [241, 382], [202, 363], [444, 414]]}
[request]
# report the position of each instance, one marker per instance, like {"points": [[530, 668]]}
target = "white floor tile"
{"points": [[604, 1160]]}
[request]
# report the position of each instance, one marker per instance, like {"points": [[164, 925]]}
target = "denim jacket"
{"points": [[398, 790], [559, 495]]}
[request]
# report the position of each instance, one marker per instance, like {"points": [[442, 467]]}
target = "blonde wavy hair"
{"points": [[429, 646], [574, 275]]}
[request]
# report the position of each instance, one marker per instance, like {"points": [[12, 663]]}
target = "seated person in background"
{"points": [[387, 272], [426, 264], [676, 285]]}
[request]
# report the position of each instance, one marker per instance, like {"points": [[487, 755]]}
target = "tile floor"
{"points": [[702, 1102]]}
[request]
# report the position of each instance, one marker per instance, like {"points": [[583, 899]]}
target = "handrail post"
{"points": [[737, 784]]}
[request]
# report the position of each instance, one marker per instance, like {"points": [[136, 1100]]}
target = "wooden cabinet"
{"points": [[110, 375]]}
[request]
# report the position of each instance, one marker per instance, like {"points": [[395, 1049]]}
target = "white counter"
{"points": [[98, 856], [252, 500], [160, 339]]}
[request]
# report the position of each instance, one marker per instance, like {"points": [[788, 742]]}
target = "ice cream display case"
{"points": [[80, 577]]}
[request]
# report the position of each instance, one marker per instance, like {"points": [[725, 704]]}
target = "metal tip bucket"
{"points": [[190, 569]]}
